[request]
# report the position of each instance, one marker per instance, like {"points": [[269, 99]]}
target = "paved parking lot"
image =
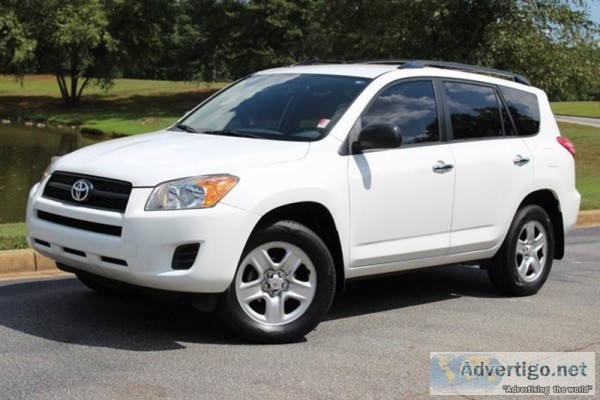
{"points": [[58, 340]]}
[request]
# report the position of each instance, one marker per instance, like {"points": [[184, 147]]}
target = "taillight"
{"points": [[567, 144]]}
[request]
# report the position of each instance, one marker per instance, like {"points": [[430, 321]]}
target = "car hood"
{"points": [[149, 159]]}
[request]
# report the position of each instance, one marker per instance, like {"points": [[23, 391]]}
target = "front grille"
{"points": [[107, 194], [79, 224], [184, 256]]}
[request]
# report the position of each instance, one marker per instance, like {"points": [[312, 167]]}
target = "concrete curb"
{"points": [[587, 219], [24, 261], [29, 263]]}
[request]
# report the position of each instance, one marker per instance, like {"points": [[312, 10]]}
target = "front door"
{"points": [[401, 199]]}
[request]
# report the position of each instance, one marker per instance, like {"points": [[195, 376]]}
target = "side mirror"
{"points": [[378, 136]]}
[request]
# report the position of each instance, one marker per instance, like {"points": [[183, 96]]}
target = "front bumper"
{"points": [[147, 242]]}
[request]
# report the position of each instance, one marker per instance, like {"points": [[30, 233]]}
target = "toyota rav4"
{"points": [[264, 199]]}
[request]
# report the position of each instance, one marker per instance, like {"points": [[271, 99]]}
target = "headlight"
{"points": [[195, 192]]}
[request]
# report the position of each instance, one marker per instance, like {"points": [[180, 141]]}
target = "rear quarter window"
{"points": [[524, 109]]}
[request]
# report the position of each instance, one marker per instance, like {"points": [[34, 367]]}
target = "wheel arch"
{"points": [[317, 218], [548, 200]]}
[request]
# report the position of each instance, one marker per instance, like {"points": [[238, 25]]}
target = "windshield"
{"points": [[300, 107]]}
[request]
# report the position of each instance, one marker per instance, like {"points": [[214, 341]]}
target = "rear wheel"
{"points": [[283, 287], [522, 264]]}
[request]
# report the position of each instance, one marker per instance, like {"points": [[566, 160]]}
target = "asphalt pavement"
{"points": [[59, 340]]}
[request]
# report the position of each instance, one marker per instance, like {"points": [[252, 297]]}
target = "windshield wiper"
{"points": [[186, 128], [233, 133]]}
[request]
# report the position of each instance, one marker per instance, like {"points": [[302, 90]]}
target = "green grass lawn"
{"points": [[587, 162], [12, 236], [578, 108], [132, 106]]}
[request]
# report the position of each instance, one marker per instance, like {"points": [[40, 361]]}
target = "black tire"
{"points": [[523, 263], [103, 286], [276, 281]]}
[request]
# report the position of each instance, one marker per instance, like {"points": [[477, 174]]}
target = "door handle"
{"points": [[520, 160], [441, 167]]}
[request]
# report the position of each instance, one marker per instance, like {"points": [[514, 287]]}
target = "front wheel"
{"points": [[523, 263], [283, 287]]}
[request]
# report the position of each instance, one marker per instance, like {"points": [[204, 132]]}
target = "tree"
{"points": [[272, 33], [553, 42], [16, 50], [201, 45], [61, 42], [81, 40], [225, 39], [140, 30]]}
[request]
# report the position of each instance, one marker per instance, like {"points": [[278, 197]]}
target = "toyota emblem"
{"points": [[81, 190]]}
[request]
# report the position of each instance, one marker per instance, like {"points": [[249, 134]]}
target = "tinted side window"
{"points": [[524, 108], [473, 110], [412, 107]]}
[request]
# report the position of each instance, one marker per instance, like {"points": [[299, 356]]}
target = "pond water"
{"points": [[25, 152]]}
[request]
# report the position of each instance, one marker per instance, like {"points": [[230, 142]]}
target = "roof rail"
{"points": [[409, 63], [399, 62], [316, 62], [320, 62], [466, 68]]}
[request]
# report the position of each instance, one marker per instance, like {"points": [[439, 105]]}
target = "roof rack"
{"points": [[321, 62], [466, 68], [409, 63], [384, 62], [317, 62]]}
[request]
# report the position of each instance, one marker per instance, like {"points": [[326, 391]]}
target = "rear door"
{"points": [[494, 170]]}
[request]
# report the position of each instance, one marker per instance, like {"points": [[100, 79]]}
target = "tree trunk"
{"points": [[83, 85], [64, 91], [71, 95], [74, 99]]}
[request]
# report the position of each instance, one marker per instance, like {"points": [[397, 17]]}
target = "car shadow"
{"points": [[64, 310], [412, 288]]}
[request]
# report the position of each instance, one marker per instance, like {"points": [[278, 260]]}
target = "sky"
{"points": [[595, 11]]}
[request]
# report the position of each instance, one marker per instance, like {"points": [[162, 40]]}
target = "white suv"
{"points": [[263, 200]]}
